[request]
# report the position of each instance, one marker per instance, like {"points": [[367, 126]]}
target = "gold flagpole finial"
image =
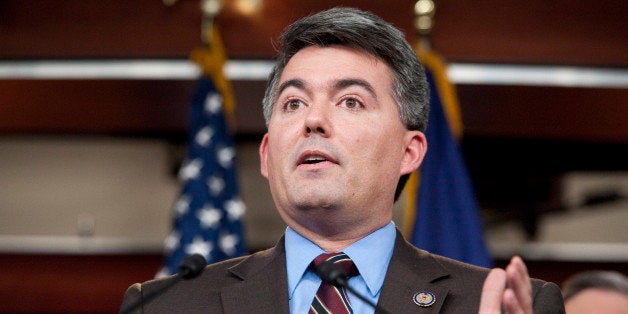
{"points": [[210, 9], [212, 57], [424, 11]]}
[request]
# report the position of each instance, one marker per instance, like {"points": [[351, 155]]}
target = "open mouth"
{"points": [[314, 160]]}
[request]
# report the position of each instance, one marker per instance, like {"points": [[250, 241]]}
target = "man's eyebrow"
{"points": [[293, 82], [337, 85], [344, 83]]}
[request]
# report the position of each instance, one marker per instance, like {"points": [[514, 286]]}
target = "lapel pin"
{"points": [[424, 299]]}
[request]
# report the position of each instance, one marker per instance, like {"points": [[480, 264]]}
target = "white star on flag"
{"points": [[228, 243], [209, 216], [235, 208], [182, 205], [199, 246], [204, 136], [191, 169], [216, 185], [213, 103], [172, 241], [225, 156]]}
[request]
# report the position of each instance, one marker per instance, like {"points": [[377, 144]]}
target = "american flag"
{"points": [[208, 213]]}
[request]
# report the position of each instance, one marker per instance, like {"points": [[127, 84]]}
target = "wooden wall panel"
{"points": [[94, 106], [123, 107], [147, 28], [253, 36], [542, 112], [70, 283], [536, 31], [33, 29]]}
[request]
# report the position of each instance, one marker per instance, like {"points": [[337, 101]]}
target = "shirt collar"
{"points": [[370, 255]]}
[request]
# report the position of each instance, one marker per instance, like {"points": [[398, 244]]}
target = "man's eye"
{"points": [[293, 104], [351, 103]]}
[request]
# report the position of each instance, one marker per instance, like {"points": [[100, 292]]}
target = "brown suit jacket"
{"points": [[258, 284]]}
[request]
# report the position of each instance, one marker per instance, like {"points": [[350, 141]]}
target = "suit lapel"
{"points": [[263, 288], [412, 271]]}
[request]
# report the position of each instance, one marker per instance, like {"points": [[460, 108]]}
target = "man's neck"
{"points": [[333, 240]]}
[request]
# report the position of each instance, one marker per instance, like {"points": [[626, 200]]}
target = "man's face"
{"points": [[336, 146]]}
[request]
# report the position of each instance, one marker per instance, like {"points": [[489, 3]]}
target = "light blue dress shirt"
{"points": [[370, 255]]}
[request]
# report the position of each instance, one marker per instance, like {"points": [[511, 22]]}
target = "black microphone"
{"points": [[191, 266], [333, 274]]}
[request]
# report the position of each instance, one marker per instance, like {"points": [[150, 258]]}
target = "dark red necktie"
{"points": [[330, 299]]}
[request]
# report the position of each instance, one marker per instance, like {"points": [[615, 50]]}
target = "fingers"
{"points": [[510, 288], [493, 292], [519, 284], [511, 303]]}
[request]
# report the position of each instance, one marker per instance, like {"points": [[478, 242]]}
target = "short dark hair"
{"points": [[369, 33], [598, 279]]}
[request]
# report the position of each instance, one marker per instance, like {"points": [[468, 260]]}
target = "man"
{"points": [[601, 292], [346, 108]]}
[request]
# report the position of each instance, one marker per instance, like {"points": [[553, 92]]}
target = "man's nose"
{"points": [[317, 121]]}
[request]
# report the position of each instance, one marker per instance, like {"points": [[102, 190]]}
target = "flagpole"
{"points": [[424, 19]]}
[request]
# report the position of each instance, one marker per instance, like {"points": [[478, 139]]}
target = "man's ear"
{"points": [[415, 149], [263, 152]]}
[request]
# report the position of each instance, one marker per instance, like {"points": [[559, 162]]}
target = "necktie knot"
{"points": [[340, 259]]}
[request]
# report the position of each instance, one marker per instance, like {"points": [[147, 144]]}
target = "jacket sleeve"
{"points": [[547, 298], [132, 297]]}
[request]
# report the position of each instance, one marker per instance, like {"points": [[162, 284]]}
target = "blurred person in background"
{"points": [[603, 292]]}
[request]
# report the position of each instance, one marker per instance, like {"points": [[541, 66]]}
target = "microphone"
{"points": [[191, 266], [333, 274]]}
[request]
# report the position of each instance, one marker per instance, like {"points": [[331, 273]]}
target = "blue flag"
{"points": [[208, 213], [446, 221]]}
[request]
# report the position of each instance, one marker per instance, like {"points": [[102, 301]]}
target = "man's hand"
{"points": [[510, 288]]}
